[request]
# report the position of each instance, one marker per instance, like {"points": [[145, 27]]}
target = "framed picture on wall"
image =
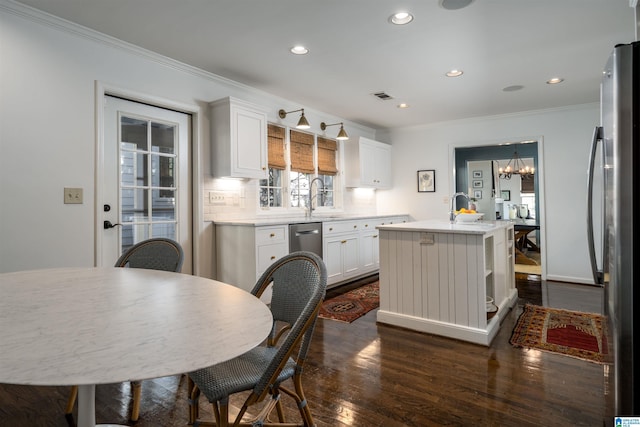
{"points": [[477, 183], [427, 181], [477, 194], [505, 195], [477, 174]]}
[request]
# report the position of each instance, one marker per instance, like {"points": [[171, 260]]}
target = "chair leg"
{"points": [[223, 418], [72, 400], [279, 411], [303, 405], [194, 408], [300, 399], [136, 387]]}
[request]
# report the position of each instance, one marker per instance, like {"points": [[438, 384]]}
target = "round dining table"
{"points": [[88, 326]]}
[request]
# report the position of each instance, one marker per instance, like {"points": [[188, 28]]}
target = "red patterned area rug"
{"points": [[572, 333], [353, 304]]}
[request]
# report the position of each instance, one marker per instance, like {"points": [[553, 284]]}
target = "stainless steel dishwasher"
{"points": [[306, 237]]}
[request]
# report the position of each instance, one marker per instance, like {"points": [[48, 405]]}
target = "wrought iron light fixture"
{"points": [[342, 135], [518, 168], [302, 123]]}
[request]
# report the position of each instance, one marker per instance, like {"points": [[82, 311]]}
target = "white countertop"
{"points": [[443, 226], [257, 222]]}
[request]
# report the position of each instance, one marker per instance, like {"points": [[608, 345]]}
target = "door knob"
{"points": [[107, 225]]}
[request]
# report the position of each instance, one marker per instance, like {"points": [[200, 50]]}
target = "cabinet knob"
{"points": [[366, 225], [272, 235], [273, 257], [330, 228], [344, 241], [264, 169], [375, 236], [355, 226]]}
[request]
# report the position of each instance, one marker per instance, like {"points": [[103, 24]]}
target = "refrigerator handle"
{"points": [[597, 275]]}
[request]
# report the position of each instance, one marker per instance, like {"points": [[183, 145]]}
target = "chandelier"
{"points": [[518, 168]]}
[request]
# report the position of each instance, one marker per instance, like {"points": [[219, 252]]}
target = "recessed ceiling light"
{"points": [[454, 73], [299, 50], [403, 105], [555, 80], [401, 18]]}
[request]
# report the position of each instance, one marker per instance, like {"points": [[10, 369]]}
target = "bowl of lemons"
{"points": [[467, 215]]}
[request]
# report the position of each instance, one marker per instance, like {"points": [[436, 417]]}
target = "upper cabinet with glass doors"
{"points": [[239, 139]]}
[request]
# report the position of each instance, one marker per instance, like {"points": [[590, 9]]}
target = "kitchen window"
{"points": [[272, 189], [297, 162]]}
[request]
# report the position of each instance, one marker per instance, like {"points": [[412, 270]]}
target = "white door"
{"points": [[146, 184]]}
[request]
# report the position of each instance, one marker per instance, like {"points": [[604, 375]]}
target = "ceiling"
{"points": [[355, 51]]}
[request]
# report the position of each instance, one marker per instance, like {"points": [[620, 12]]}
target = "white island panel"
{"points": [[436, 280]]}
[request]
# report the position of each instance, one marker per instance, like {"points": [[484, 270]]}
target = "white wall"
{"points": [[565, 135], [48, 73]]}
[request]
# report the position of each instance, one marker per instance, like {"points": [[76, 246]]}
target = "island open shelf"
{"points": [[435, 277]]}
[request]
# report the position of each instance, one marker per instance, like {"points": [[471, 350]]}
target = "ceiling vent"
{"points": [[455, 4], [383, 96]]}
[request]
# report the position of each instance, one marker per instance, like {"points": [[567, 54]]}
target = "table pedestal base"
{"points": [[87, 407]]}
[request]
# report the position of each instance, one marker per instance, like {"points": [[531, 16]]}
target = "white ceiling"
{"points": [[355, 52]]}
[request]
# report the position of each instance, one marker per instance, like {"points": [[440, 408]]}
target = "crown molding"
{"points": [[47, 19]]}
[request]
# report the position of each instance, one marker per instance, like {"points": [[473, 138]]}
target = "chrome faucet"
{"points": [[311, 197], [454, 205]]}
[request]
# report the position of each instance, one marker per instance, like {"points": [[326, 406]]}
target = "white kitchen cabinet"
{"points": [[368, 164], [370, 241], [341, 250], [239, 139], [243, 253]]}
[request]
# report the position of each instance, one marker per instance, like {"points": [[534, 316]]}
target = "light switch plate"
{"points": [[72, 195]]}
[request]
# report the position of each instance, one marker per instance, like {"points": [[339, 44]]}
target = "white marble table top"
{"points": [[85, 326]]}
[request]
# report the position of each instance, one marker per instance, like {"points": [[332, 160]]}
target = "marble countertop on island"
{"points": [[443, 226]]}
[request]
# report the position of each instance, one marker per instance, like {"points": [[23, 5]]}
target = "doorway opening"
{"points": [[517, 198]]}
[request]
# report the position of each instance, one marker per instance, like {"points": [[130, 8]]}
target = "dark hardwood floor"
{"points": [[365, 374]]}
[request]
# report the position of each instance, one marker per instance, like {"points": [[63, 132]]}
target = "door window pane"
{"points": [[133, 132], [163, 138], [135, 205], [147, 179], [163, 208]]}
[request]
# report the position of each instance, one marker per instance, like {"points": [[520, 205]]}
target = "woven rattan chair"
{"points": [[153, 254], [299, 283]]}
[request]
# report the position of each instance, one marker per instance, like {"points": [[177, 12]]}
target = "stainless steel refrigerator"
{"points": [[613, 208]]}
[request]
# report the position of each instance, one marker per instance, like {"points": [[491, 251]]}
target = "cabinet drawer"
{"points": [[268, 254], [371, 224], [329, 228], [268, 235]]}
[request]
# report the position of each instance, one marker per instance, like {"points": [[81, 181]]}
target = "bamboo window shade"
{"points": [[275, 137], [527, 185], [301, 152], [327, 156]]}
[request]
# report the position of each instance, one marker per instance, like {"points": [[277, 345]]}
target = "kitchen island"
{"points": [[436, 276]]}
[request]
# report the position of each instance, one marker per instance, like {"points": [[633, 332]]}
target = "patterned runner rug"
{"points": [[572, 333], [353, 304]]}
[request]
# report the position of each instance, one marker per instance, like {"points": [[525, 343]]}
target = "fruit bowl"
{"points": [[468, 217]]}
